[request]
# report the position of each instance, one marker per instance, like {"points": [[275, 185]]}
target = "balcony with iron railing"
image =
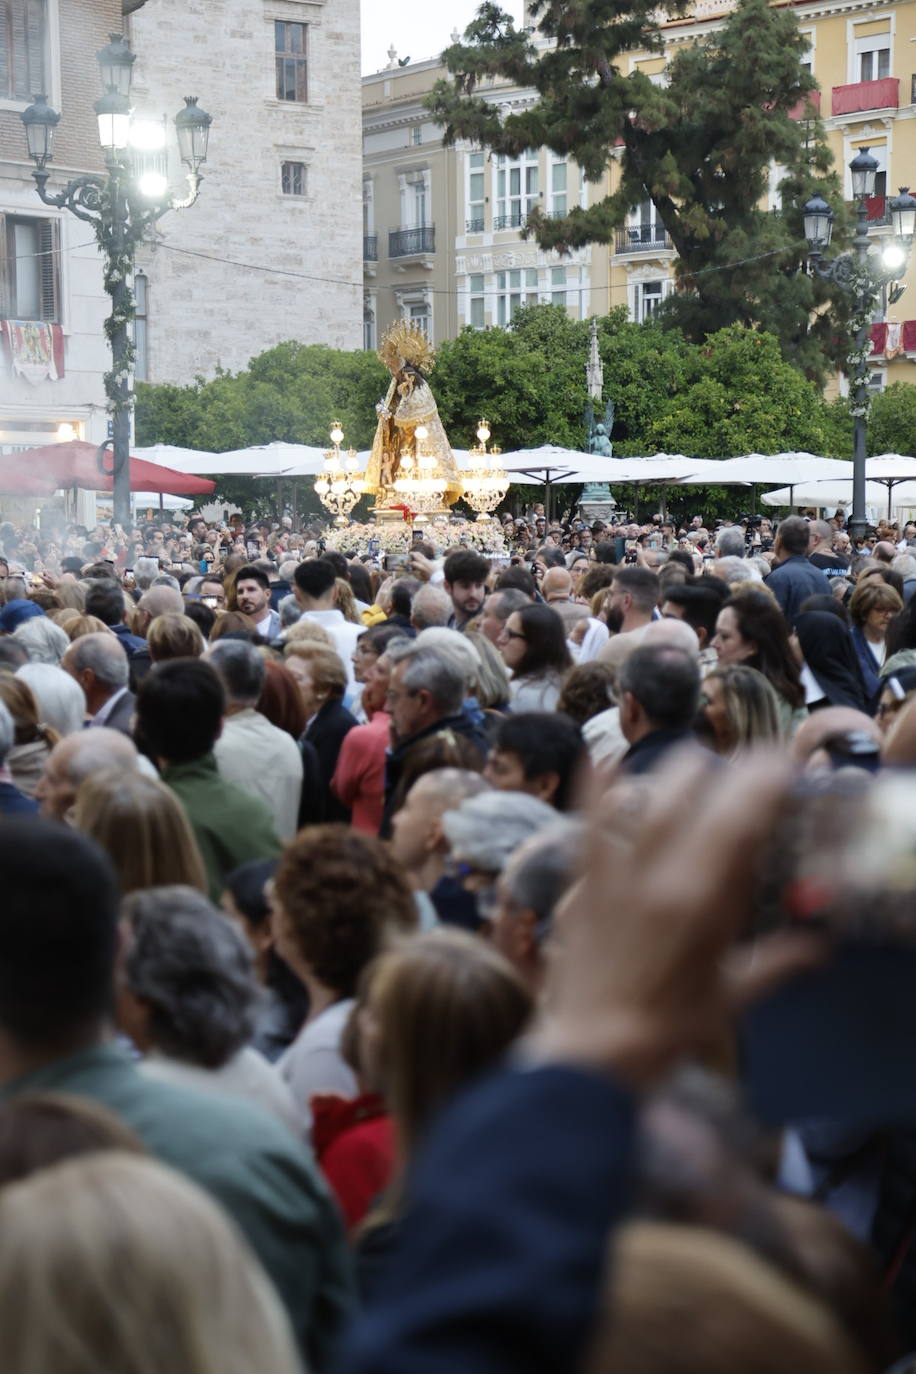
{"points": [[866, 95], [642, 238], [412, 243], [370, 247]]}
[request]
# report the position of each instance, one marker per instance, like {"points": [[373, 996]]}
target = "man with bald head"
{"points": [[155, 601], [418, 842], [100, 666], [77, 757], [825, 551], [557, 585]]}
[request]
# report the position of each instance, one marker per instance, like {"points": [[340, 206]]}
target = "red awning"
{"points": [[41, 471]]}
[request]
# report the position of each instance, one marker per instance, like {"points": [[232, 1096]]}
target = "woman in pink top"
{"points": [[359, 778]]}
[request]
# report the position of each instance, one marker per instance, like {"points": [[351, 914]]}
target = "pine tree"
{"points": [[700, 147]]}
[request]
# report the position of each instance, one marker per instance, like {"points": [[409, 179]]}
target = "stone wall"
{"points": [[207, 311]]}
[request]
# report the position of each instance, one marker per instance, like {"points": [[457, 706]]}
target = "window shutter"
{"points": [[20, 58], [35, 27], [22, 69], [6, 84], [49, 268], [6, 268]]}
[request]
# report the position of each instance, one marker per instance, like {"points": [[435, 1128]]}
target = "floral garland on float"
{"points": [[389, 538]]}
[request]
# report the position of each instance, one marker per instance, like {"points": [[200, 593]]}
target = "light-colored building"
{"points": [[271, 250], [861, 55], [442, 241], [53, 352]]}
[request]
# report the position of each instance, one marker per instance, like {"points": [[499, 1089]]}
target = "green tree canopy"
{"points": [[291, 392], [731, 394], [701, 148], [892, 422]]}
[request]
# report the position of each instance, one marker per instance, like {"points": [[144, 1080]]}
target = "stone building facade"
{"points": [[51, 293], [442, 227], [271, 250]]}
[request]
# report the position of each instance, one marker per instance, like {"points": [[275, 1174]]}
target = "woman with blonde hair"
{"points": [[142, 827], [308, 631], [73, 595], [64, 617], [437, 1012], [174, 636], [33, 740], [346, 601], [739, 709], [85, 625], [490, 683], [114, 1262]]}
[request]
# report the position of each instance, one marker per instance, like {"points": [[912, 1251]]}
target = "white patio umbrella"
{"points": [[181, 459], [891, 470], [790, 469], [160, 499], [833, 494], [278, 459], [260, 460], [656, 467], [550, 464]]}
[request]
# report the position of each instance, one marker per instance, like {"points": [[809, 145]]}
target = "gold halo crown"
{"points": [[406, 341]]}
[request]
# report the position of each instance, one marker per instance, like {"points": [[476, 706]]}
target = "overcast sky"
{"points": [[417, 31]]}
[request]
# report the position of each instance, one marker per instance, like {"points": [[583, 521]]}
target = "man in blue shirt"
{"points": [[794, 579]]}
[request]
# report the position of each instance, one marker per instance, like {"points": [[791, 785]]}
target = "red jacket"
{"points": [[354, 1143]]}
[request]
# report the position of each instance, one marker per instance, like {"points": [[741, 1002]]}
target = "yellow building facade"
{"points": [[442, 226]]}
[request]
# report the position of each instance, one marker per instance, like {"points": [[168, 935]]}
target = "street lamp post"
{"points": [[861, 273], [121, 206]]}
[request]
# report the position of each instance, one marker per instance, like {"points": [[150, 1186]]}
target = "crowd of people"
{"points": [[378, 939]]}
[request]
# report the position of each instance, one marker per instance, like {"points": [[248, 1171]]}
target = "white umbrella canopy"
{"points": [[139, 499], [791, 469], [656, 467], [550, 463], [890, 468], [278, 459], [181, 459], [260, 460], [877, 496]]}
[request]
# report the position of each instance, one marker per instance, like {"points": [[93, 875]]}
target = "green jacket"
{"points": [[262, 1176], [230, 826]]}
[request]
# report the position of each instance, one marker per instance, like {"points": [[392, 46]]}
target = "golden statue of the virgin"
{"points": [[407, 353]]}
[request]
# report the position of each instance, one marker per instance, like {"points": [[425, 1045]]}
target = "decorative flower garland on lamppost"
{"points": [[121, 206], [861, 274]]}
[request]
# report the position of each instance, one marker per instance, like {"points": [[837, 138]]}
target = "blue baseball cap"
{"points": [[16, 613]]}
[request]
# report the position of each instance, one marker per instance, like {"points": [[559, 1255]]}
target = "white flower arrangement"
{"points": [[486, 537]]}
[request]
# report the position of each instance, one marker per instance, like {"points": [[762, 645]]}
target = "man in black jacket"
{"points": [[659, 692]]}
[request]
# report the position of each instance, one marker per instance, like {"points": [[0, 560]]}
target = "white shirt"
{"points": [[604, 737], [537, 693], [265, 761], [343, 632], [313, 1063]]}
